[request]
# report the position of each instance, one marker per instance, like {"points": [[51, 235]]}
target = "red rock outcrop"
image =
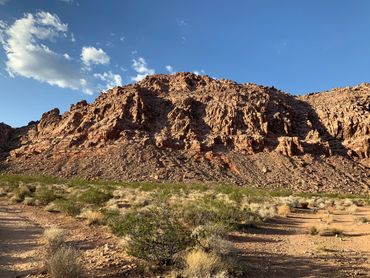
{"points": [[190, 127]]}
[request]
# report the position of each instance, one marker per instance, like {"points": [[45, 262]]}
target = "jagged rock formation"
{"points": [[190, 127]]}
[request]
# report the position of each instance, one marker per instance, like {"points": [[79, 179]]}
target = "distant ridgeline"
{"points": [[187, 127]]}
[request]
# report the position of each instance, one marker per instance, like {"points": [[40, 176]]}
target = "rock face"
{"points": [[190, 127]]}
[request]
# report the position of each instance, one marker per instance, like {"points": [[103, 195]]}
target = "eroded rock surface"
{"points": [[190, 127]]}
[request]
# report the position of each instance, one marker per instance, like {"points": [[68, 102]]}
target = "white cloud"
{"points": [[3, 27], [3, 2], [73, 39], [109, 78], [169, 69], [27, 56], [142, 69], [197, 72], [91, 55], [122, 38]]}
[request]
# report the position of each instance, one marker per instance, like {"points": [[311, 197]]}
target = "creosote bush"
{"points": [[154, 235], [94, 196]]}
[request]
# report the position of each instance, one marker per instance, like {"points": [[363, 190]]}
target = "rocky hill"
{"points": [[188, 127]]}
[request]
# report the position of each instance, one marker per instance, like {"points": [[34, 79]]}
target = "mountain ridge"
{"points": [[190, 127]]}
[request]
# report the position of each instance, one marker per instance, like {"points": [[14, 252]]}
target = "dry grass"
{"points": [[51, 207], [92, 217], [362, 220], [352, 209], [64, 263], [283, 210], [29, 201], [200, 264], [328, 218], [55, 239]]}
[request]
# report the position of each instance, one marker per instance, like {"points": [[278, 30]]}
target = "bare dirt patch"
{"points": [[21, 243], [283, 248]]}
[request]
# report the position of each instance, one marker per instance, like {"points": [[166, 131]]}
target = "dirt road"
{"points": [[19, 243], [279, 248]]}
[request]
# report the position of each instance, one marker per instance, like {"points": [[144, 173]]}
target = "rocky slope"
{"points": [[191, 127]]}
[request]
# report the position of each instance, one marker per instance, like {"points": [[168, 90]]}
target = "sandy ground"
{"points": [[282, 247], [279, 248], [21, 243]]}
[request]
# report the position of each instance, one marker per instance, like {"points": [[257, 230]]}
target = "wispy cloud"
{"points": [[142, 69], [3, 2], [181, 22], [109, 78], [169, 69], [201, 72]]}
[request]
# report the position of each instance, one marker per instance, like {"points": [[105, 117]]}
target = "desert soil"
{"points": [[21, 243], [279, 248]]}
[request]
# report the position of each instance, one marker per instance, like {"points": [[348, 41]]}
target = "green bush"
{"points": [[94, 196], [154, 235], [45, 195], [216, 212], [68, 207]]}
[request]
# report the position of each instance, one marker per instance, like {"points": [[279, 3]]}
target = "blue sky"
{"points": [[54, 53]]}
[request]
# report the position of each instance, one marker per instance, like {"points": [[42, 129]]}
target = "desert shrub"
{"points": [[199, 264], [68, 207], [29, 201], [51, 207], [313, 231], [94, 196], [283, 210], [154, 235], [21, 192], [64, 263], [55, 239], [215, 211], [45, 195], [352, 209], [92, 217], [362, 219]]}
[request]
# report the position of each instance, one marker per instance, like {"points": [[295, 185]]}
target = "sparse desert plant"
{"points": [[2, 192], [313, 231], [92, 217], [68, 207], [29, 201], [362, 219], [328, 217], [64, 263], [209, 211], [199, 264], [352, 209], [155, 235], [55, 239], [283, 210], [45, 195], [210, 238], [21, 192], [52, 207], [94, 196]]}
